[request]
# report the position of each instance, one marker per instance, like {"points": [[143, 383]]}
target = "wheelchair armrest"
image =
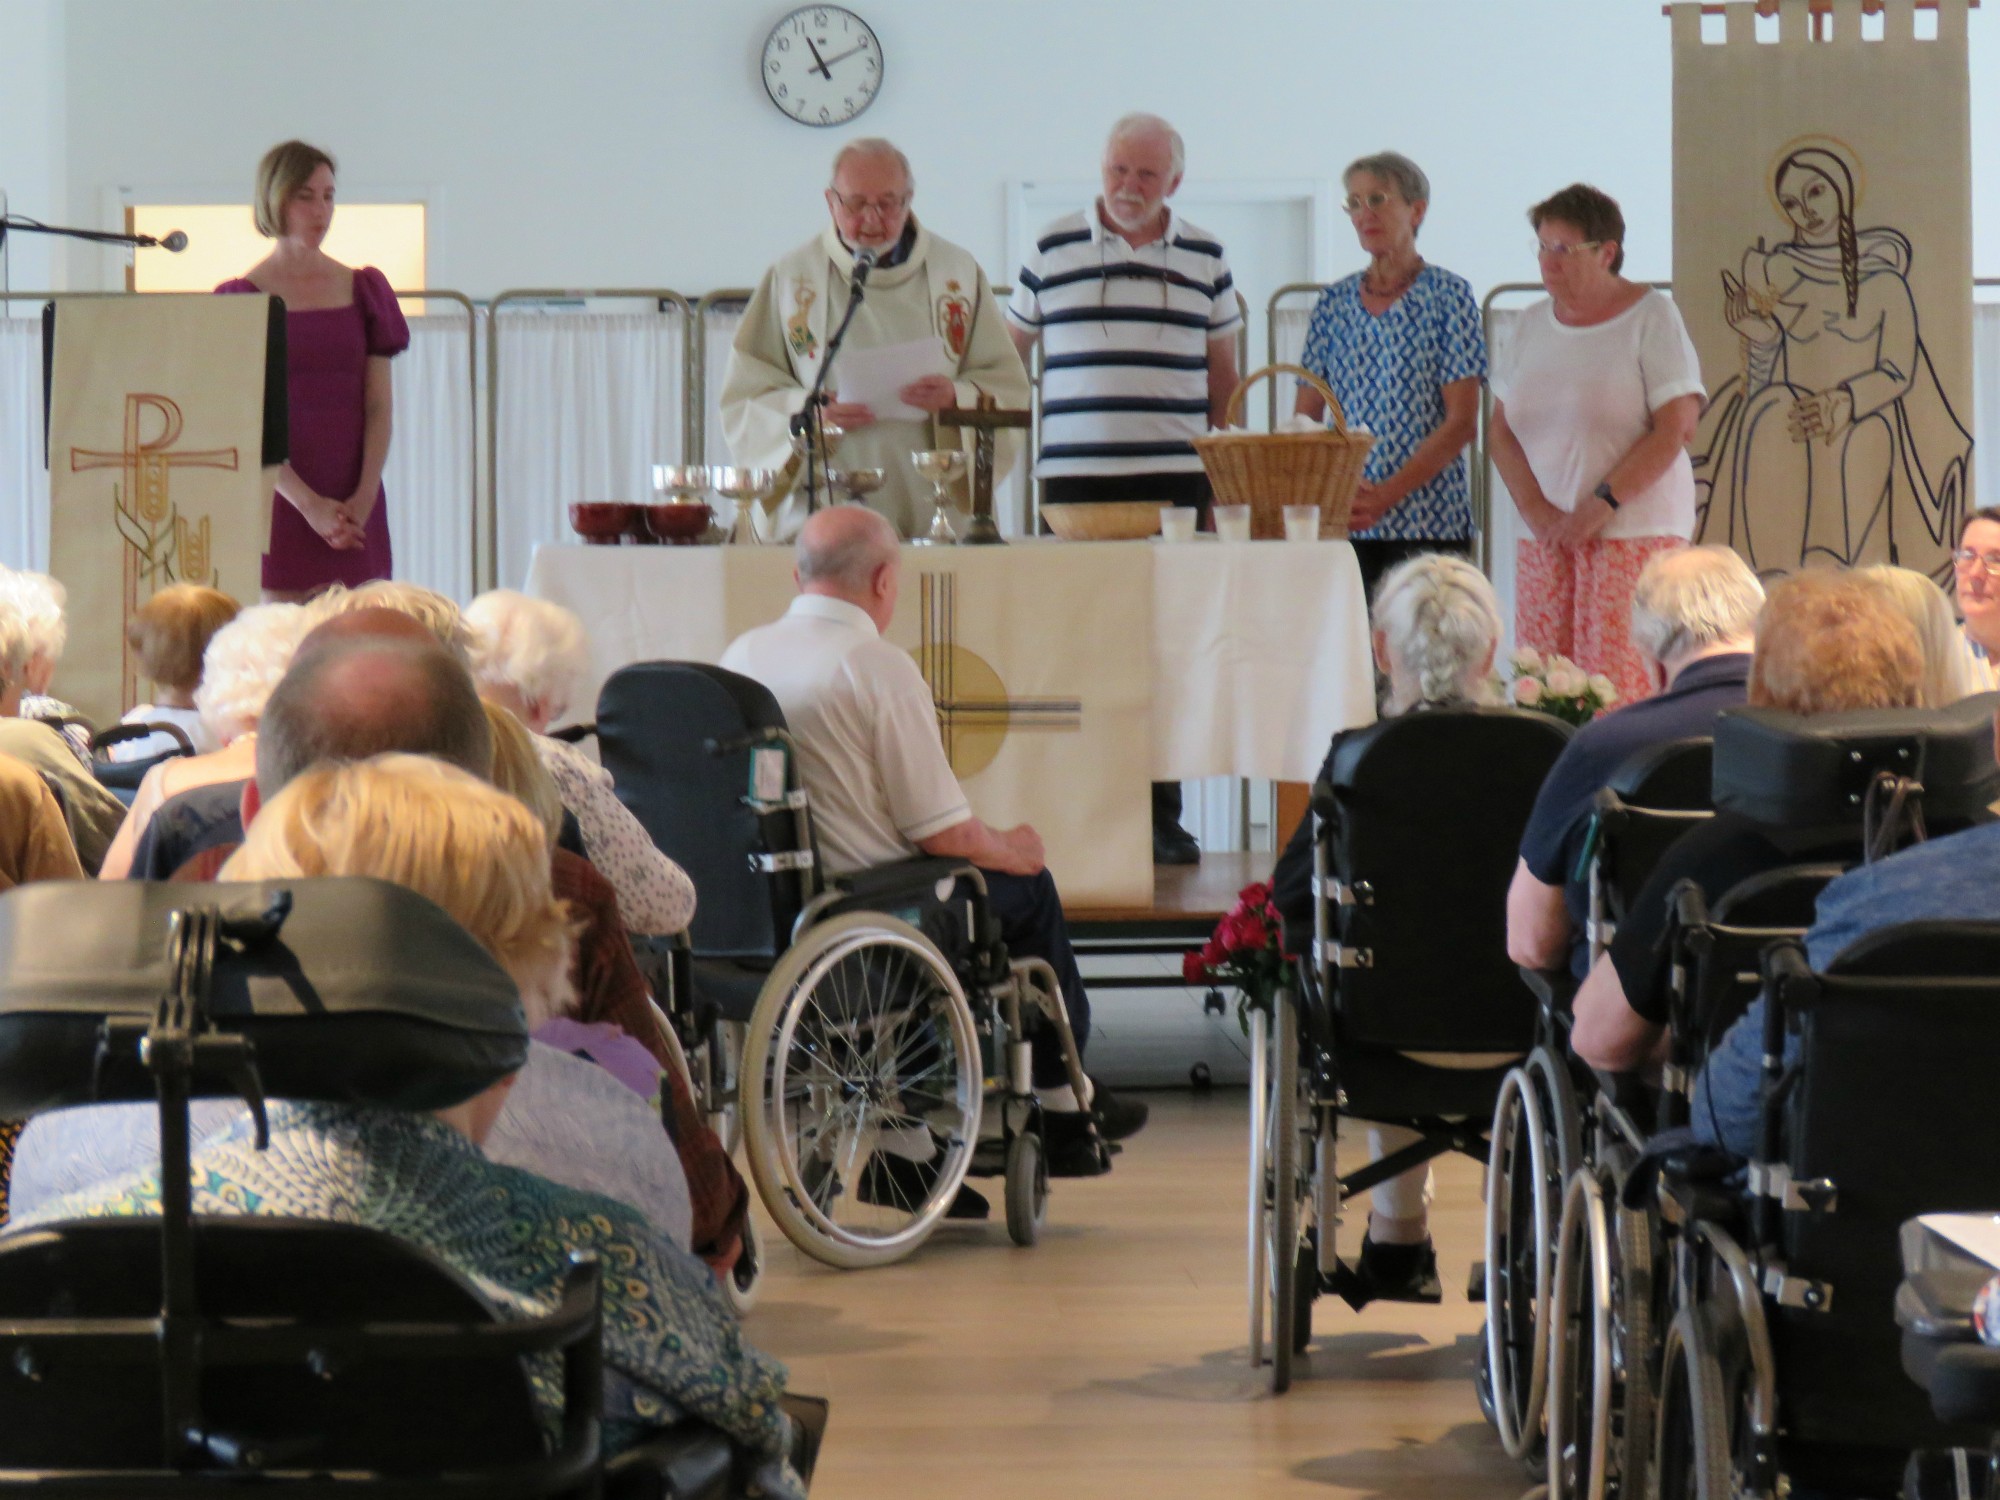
{"points": [[1965, 1384], [905, 876], [1554, 989]]}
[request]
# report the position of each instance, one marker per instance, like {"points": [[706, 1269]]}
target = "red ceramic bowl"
{"points": [[601, 522], [681, 523]]}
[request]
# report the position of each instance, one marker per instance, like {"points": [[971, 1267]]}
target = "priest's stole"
{"points": [[1823, 265], [156, 448]]}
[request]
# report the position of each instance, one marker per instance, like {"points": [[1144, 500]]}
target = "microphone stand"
{"points": [[26, 225], [809, 419]]}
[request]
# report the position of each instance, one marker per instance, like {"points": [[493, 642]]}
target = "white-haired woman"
{"points": [[41, 602], [1401, 344], [527, 657], [1436, 627], [243, 663]]}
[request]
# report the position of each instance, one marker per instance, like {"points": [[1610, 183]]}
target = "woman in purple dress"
{"points": [[342, 327]]}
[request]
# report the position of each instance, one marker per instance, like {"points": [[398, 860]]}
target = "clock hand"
{"points": [[829, 62], [818, 60]]}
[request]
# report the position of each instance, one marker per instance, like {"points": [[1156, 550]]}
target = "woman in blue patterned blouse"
{"points": [[1401, 346]]}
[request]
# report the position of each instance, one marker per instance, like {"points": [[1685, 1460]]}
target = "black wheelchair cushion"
{"points": [[655, 721], [367, 994], [1380, 1084], [730, 985], [1793, 770], [1428, 812]]}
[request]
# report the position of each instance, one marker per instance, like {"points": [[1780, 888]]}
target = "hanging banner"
{"points": [[1823, 265], [159, 434]]}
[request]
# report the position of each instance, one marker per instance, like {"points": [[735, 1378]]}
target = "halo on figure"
{"points": [[1832, 145]]}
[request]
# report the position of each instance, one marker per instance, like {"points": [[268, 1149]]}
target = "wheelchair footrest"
{"points": [[1357, 1291], [1475, 1284]]}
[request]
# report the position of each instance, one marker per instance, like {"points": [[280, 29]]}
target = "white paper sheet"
{"points": [[873, 377]]}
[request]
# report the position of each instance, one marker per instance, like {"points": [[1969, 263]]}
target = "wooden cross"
{"points": [[985, 419]]}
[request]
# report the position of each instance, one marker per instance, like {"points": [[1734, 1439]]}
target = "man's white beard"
{"points": [[1130, 219]]}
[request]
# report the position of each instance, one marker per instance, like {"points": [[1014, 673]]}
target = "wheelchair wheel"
{"points": [[861, 1090], [1634, 1318], [1288, 1187], [1701, 1376], [746, 1278], [719, 1073], [1580, 1345], [1027, 1188], [1519, 1244]]}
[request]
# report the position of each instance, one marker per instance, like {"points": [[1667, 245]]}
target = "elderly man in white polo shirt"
{"points": [[1137, 316], [882, 790]]}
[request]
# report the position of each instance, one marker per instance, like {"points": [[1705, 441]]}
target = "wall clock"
{"points": [[822, 65]]}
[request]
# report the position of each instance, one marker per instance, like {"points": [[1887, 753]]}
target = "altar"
{"points": [[1068, 675]]}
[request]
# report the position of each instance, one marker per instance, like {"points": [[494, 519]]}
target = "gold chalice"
{"points": [[942, 467]]}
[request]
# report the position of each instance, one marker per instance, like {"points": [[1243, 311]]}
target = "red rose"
{"points": [[1193, 969], [1254, 895], [1243, 931]]}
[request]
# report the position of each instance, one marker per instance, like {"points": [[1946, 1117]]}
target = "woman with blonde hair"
{"points": [[169, 635], [1948, 662], [480, 856], [342, 327]]}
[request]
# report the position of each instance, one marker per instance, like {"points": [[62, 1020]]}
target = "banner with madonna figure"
{"points": [[1823, 265]]}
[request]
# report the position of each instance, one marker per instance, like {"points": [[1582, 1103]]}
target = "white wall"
{"points": [[607, 142], [32, 121]]}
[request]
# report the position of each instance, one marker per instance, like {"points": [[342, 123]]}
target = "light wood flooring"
{"points": [[1110, 1359]]}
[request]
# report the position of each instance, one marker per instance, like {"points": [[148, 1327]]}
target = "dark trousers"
{"points": [[1031, 924], [1377, 558]]}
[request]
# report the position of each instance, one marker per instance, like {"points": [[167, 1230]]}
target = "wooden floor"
{"points": [[1110, 1360]]}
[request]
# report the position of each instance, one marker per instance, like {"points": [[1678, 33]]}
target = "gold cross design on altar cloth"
{"points": [[160, 546], [974, 713]]}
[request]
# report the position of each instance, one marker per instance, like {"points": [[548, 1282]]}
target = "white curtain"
{"points": [[588, 402], [719, 324], [432, 475], [24, 482]]}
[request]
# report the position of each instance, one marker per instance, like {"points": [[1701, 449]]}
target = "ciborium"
{"points": [[943, 467]]}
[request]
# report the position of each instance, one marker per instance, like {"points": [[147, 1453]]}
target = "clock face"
{"points": [[822, 65]]}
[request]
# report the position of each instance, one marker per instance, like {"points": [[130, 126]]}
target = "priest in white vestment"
{"points": [[921, 288]]}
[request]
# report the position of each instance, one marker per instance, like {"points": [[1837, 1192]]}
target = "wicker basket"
{"points": [[1105, 520], [1269, 470]]}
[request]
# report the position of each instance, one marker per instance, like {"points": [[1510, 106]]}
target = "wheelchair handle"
{"points": [[737, 743]]}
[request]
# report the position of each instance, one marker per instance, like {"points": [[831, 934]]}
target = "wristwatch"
{"points": [[1603, 492]]}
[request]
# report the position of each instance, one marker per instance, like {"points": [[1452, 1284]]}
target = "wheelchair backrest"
{"points": [[394, 1416], [1652, 798], [125, 775], [655, 721], [1892, 1109], [1798, 771], [1428, 813]]}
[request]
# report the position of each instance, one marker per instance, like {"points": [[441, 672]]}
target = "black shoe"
{"points": [[1072, 1145], [1400, 1273], [1174, 845], [1117, 1117], [897, 1182]]}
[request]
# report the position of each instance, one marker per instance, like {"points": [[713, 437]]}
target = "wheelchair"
{"points": [[873, 1010], [122, 777], [1621, 1268], [1945, 1266], [1412, 855], [1549, 1123], [188, 1354]]}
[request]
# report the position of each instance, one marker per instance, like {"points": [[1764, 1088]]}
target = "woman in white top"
{"points": [[1594, 404], [527, 656]]}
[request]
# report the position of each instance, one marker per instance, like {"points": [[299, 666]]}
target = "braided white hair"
{"points": [[1440, 624]]}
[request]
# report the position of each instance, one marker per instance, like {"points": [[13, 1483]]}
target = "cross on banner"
{"points": [[975, 714], [160, 545]]}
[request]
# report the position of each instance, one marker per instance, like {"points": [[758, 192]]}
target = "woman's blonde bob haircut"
{"points": [[1947, 663], [170, 632], [470, 848], [283, 171]]}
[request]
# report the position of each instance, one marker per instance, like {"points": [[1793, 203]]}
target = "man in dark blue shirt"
{"points": [[1694, 613]]}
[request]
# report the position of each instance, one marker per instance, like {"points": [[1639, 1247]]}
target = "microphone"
{"points": [[175, 241], [864, 262]]}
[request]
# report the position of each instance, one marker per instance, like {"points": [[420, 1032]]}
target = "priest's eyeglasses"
{"points": [[1353, 203], [882, 208], [1564, 252], [1965, 559]]}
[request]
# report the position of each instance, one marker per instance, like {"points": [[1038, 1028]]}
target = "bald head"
{"points": [[359, 694], [852, 553], [376, 622]]}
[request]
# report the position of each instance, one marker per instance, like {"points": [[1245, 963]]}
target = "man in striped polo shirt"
{"points": [[1138, 316]]}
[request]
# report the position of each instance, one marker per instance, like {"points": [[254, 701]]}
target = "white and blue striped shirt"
{"points": [[1125, 342]]}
